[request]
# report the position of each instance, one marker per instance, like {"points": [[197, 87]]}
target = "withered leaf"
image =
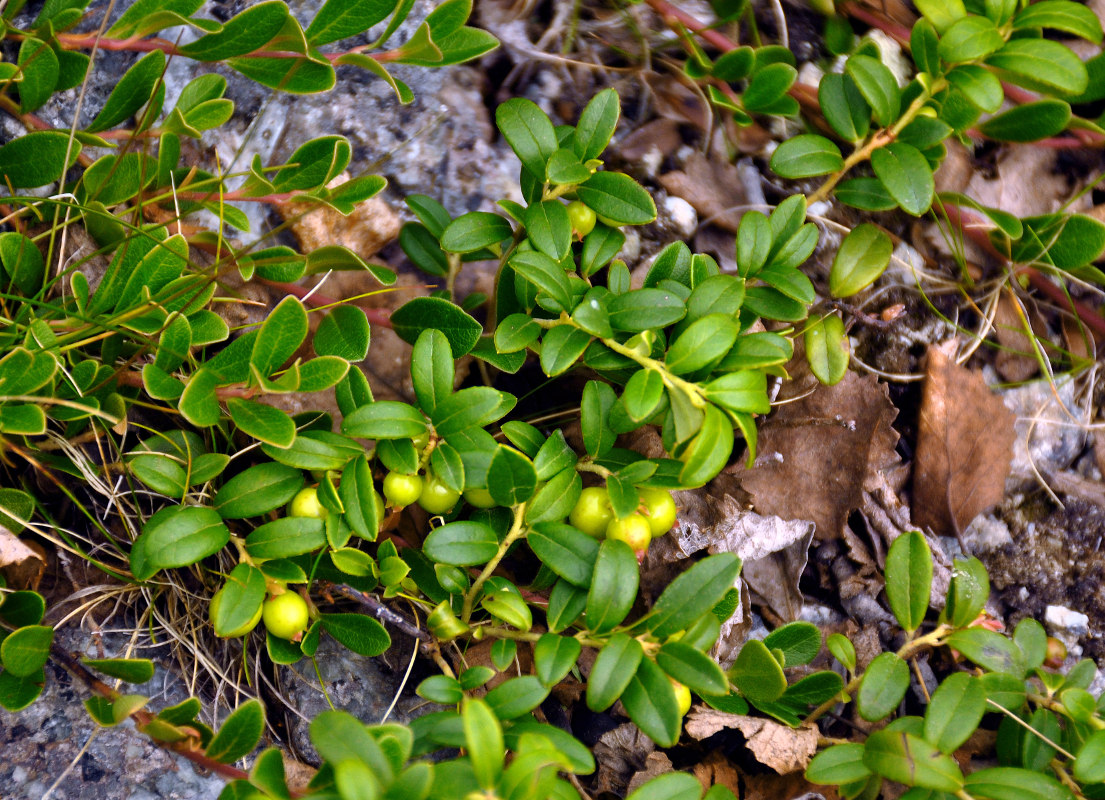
{"points": [[620, 754], [964, 447], [817, 451], [713, 188], [21, 565], [775, 745]]}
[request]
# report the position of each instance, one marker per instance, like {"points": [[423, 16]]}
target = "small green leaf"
{"points": [[339, 736], [235, 604], [988, 649], [432, 369], [767, 86], [554, 656], [878, 86], [979, 85], [702, 343], [613, 586], [179, 536], [344, 333], [708, 452], [862, 257], [568, 552], [561, 348], [970, 39], [1060, 15], [511, 477], [619, 198], [16, 693], [340, 19], [954, 711], [263, 422], [462, 331], [757, 674], [239, 734], [642, 309], [25, 650], [385, 419], [906, 174], [596, 124], [528, 131], [1041, 64], [838, 764], [827, 349], [693, 593], [692, 668], [941, 13], [805, 156], [799, 642], [461, 544], [1012, 783], [473, 407], [286, 537], [844, 107], [358, 632], [475, 231], [902, 757], [649, 699], [37, 158], [882, 688], [130, 93], [612, 671], [549, 229], [244, 33], [967, 593], [909, 579], [258, 490], [483, 736], [546, 274], [1029, 122], [517, 696]]}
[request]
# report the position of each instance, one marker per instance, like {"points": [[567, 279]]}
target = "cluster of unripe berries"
{"points": [[594, 515]]}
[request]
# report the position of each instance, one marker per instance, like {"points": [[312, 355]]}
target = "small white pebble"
{"points": [[684, 219], [1061, 618]]}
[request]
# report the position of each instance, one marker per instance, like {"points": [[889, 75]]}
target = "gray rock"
{"points": [[1049, 436]]}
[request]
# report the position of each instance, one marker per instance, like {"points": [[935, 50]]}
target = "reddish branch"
{"points": [[83, 41]]}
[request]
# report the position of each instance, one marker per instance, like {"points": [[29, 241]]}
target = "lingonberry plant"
{"points": [[272, 518]]}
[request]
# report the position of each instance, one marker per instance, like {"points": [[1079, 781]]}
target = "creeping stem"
{"points": [[517, 531]]}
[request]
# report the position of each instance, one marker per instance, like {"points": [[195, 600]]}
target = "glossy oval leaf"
{"points": [[909, 579]]}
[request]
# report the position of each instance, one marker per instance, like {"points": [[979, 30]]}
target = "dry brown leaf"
{"points": [[21, 565], [1016, 360], [775, 745], [716, 770], [964, 447], [769, 786], [711, 187], [816, 452], [656, 764], [620, 753]]}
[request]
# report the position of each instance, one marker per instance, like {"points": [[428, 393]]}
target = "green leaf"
{"points": [[596, 125], [410, 319], [511, 477], [25, 650], [474, 231], [827, 349], [295, 76], [1011, 783], [799, 642], [878, 86], [649, 699], [941, 13], [131, 92], [233, 607], [989, 649], [423, 249], [40, 68], [805, 156], [483, 736], [642, 309], [280, 336], [244, 33], [923, 44], [340, 19], [909, 579], [258, 490], [702, 343], [550, 231], [692, 668], [555, 500], [554, 656], [709, 450], [863, 256], [565, 168], [16, 693], [882, 688], [843, 106], [968, 591], [904, 758], [867, 194], [618, 198], [598, 398], [673, 786], [344, 333], [23, 608], [954, 711], [528, 131], [239, 734], [263, 422], [643, 394], [561, 348], [473, 407], [37, 158], [979, 85], [613, 586], [1041, 64], [757, 674], [692, 594], [546, 274], [1029, 122], [432, 369], [462, 544], [906, 174], [767, 86], [838, 764], [612, 671], [1031, 638], [517, 696], [339, 736], [385, 419], [179, 536], [358, 632], [286, 537], [1060, 15], [568, 552], [970, 39]]}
